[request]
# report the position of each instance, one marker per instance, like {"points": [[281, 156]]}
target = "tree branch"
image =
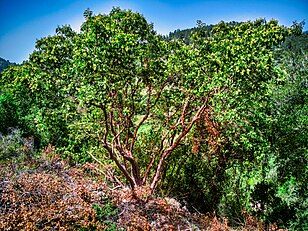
{"points": [[150, 165], [143, 119], [169, 150]]}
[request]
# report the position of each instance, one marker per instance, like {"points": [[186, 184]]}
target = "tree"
{"points": [[234, 68], [37, 88], [288, 135], [119, 86], [124, 81]]}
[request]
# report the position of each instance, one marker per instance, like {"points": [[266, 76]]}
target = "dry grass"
{"points": [[48, 194], [53, 196]]}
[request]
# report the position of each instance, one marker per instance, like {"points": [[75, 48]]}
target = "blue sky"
{"points": [[23, 22]]}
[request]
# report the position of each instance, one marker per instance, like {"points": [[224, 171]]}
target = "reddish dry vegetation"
{"points": [[51, 195], [140, 211]]}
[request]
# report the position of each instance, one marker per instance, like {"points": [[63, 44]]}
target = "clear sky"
{"points": [[23, 22]]}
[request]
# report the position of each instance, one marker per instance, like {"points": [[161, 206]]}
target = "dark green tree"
{"points": [[230, 142], [287, 169]]}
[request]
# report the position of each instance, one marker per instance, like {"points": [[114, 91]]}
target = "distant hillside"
{"points": [[4, 64], [185, 35], [296, 44]]}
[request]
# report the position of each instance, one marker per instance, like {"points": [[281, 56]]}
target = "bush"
{"points": [[11, 144]]}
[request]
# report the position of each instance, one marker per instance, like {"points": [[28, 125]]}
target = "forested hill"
{"points": [[4, 64], [185, 34]]}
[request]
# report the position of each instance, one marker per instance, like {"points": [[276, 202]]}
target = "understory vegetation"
{"points": [[118, 128]]}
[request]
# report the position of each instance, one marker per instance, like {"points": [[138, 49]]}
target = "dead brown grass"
{"points": [[53, 196], [49, 194]]}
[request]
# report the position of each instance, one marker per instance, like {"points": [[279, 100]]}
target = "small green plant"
{"points": [[107, 214]]}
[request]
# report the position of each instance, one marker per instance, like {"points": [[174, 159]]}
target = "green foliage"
{"points": [[214, 117], [107, 214], [36, 88], [186, 34], [288, 169], [8, 115], [234, 164], [18, 104]]}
